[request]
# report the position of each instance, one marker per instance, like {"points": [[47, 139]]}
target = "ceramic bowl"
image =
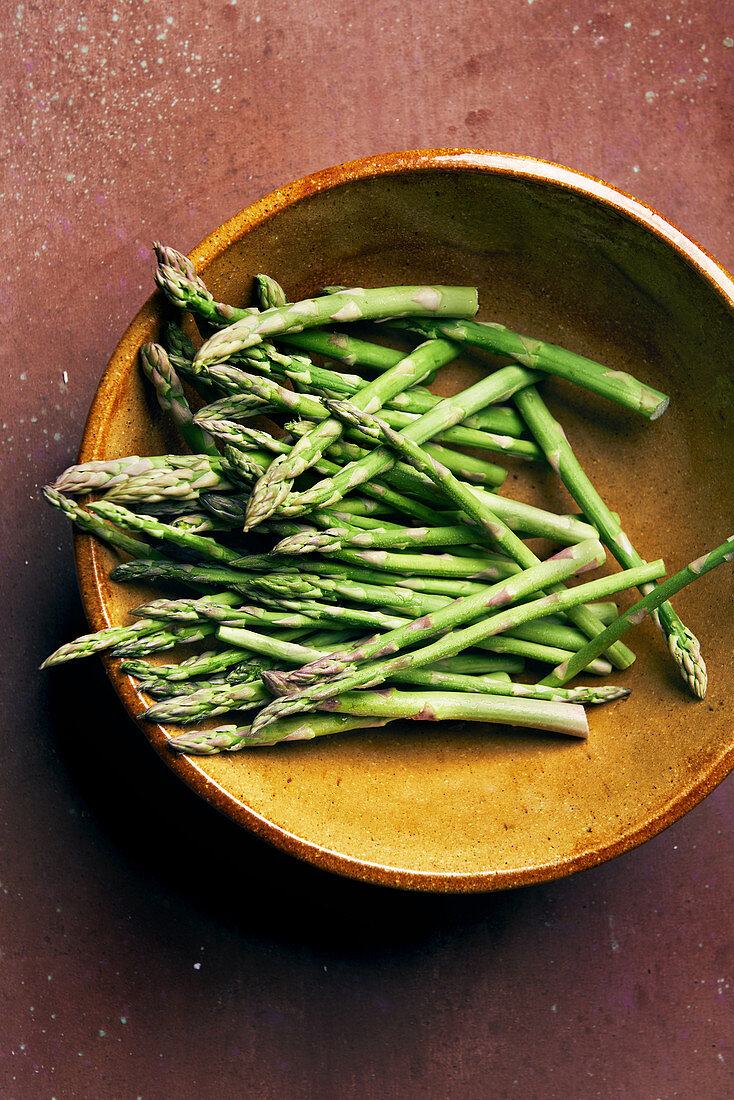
{"points": [[556, 255]]}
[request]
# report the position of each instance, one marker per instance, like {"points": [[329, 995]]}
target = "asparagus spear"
{"points": [[452, 410], [482, 511], [402, 408], [206, 548], [176, 276], [519, 517], [525, 518], [372, 673], [545, 640], [179, 346], [452, 681], [683, 646], [303, 727], [539, 651], [171, 634], [654, 599], [572, 560], [208, 702], [269, 292], [465, 466], [310, 611], [228, 431], [231, 738], [275, 485], [97, 642], [159, 371], [617, 386], [186, 610], [181, 283], [356, 304], [239, 404], [106, 474], [179, 477], [153, 677], [438, 565], [433, 706], [210, 663], [94, 525]]}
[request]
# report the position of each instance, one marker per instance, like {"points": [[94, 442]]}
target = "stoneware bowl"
{"points": [[556, 255]]}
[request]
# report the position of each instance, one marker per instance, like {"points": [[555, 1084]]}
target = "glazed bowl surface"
{"points": [[565, 258]]}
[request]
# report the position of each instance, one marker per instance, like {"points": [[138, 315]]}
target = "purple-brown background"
{"points": [[149, 948]]}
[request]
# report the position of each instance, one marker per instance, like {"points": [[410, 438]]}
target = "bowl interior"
{"points": [[458, 806]]}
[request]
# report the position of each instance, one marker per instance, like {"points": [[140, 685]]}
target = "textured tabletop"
{"points": [[149, 948]]}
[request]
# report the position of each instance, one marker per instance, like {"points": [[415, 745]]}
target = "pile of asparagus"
{"points": [[350, 561]]}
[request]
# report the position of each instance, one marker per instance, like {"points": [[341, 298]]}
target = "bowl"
{"points": [[569, 259]]}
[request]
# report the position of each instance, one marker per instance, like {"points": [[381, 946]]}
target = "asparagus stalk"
{"points": [[544, 640], [570, 561], [247, 616], [377, 671], [104, 475], [539, 651], [171, 635], [276, 484], [468, 466], [159, 371], [519, 517], [228, 431], [402, 408], [179, 346], [355, 304], [433, 677], [654, 599], [433, 706], [210, 663], [302, 727], [683, 646], [269, 292], [207, 702], [452, 410], [437, 706], [617, 386], [153, 677], [211, 701], [206, 548], [437, 565], [481, 511], [100, 640], [216, 419], [308, 612], [181, 283], [465, 466], [95, 525], [176, 276], [179, 477], [231, 738]]}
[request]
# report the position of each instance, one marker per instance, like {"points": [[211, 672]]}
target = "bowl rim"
{"points": [[92, 570]]}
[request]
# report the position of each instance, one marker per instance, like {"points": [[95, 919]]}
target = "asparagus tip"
{"points": [[686, 653], [276, 682]]}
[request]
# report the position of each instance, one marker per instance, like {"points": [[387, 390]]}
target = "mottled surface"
{"points": [[149, 948]]}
